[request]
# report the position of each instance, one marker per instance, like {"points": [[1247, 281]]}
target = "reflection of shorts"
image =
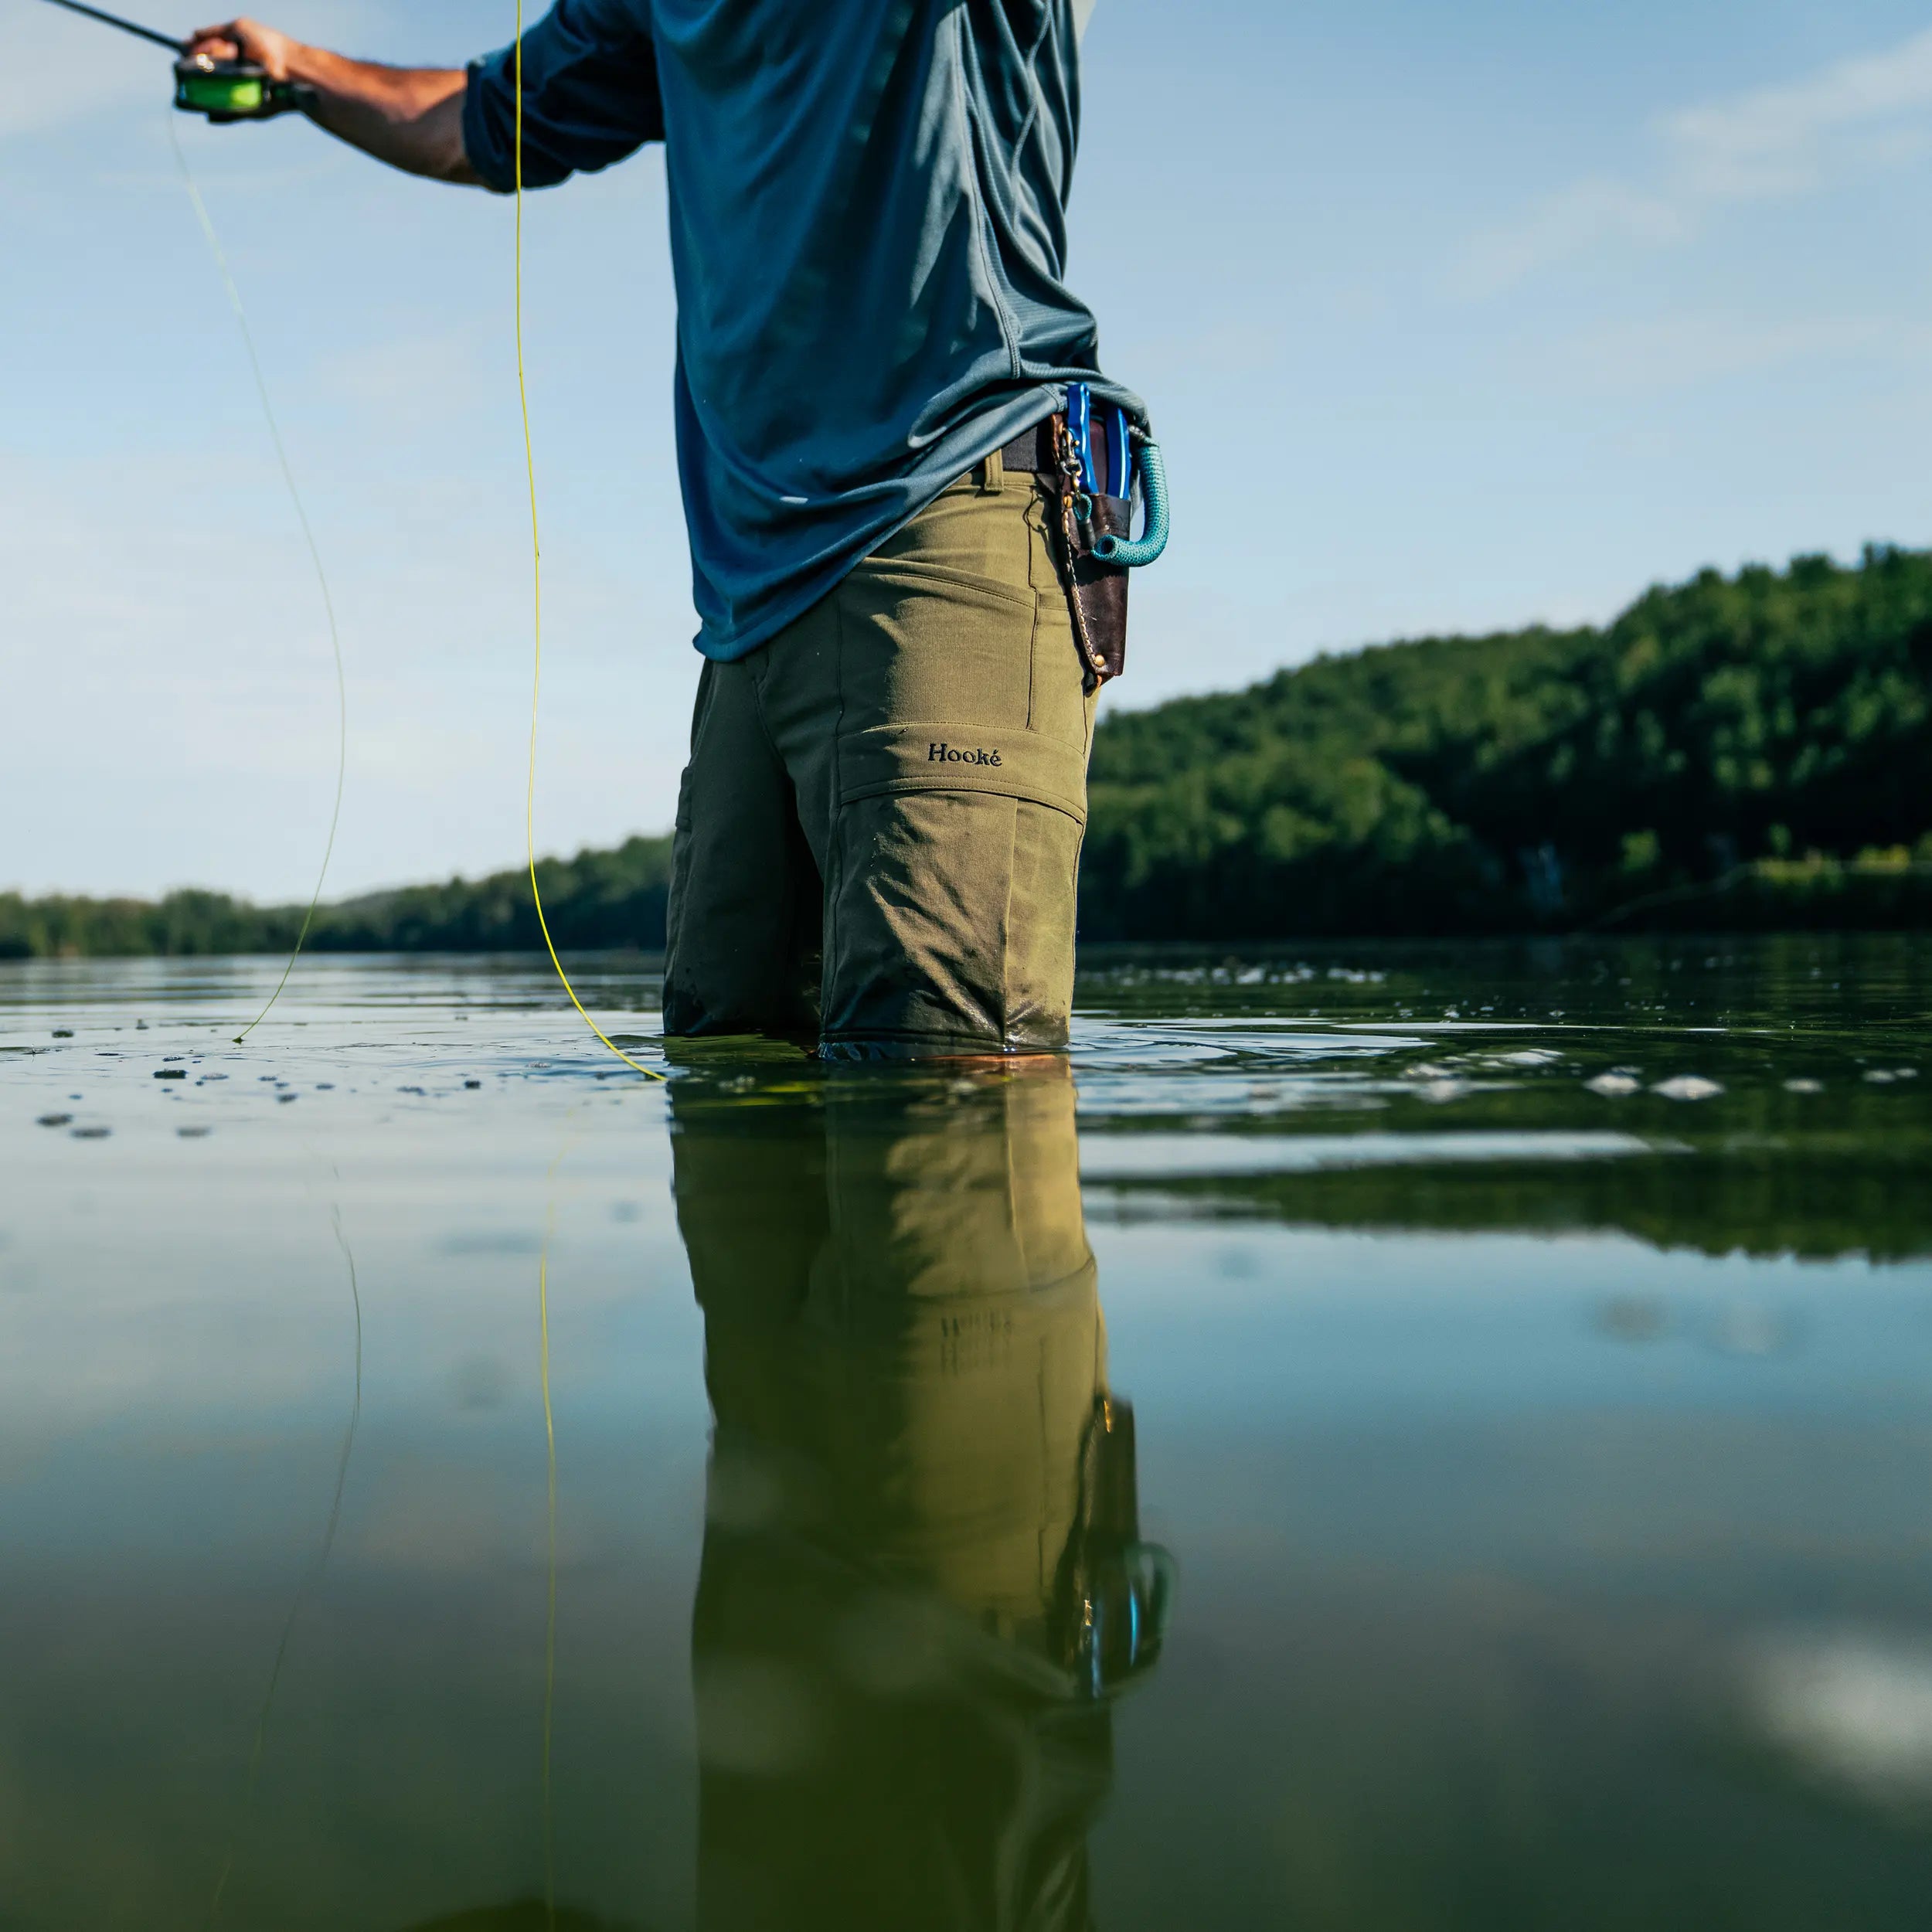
{"points": [[878, 831]]}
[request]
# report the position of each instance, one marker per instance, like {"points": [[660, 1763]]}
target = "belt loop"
{"points": [[992, 474]]}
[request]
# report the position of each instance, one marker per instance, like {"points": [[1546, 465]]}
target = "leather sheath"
{"points": [[1096, 591]]}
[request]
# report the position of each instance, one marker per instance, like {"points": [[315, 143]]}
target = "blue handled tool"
{"points": [[1079, 430]]}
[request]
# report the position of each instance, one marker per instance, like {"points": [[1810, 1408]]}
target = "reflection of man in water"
{"points": [[921, 1577]]}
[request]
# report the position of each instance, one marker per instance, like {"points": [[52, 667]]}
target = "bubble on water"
{"points": [[63, 1032], [1613, 1086], [1529, 1056], [1880, 1076], [55, 1120], [1438, 1091], [1804, 1087], [1687, 1087]]}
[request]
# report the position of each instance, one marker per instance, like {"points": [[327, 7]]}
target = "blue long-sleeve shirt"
{"points": [[868, 230]]}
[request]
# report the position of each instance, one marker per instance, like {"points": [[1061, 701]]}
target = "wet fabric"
{"points": [[868, 230], [878, 831]]}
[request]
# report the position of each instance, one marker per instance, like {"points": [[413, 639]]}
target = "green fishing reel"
{"points": [[220, 89], [226, 91]]}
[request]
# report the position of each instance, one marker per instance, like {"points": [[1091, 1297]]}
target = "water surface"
{"points": [[1394, 1437]]}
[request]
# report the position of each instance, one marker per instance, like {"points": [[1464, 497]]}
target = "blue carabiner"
{"points": [[1080, 429], [1130, 553]]}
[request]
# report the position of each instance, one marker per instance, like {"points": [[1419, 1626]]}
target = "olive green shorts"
{"points": [[878, 833]]}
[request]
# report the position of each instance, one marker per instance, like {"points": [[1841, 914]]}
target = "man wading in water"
{"points": [[889, 476]]}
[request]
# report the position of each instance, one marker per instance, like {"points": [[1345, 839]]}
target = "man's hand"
{"points": [[411, 117], [248, 40]]}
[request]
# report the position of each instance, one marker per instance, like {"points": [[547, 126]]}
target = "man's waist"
{"points": [[1105, 460]]}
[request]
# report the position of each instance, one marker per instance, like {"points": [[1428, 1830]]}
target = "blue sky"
{"points": [[1451, 317]]}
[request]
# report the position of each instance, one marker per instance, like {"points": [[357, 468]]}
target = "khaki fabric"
{"points": [[878, 835]]}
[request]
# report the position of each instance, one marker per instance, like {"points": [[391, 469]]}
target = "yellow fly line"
{"points": [[536, 580]]}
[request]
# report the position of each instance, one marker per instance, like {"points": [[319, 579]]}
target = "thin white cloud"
{"points": [[1596, 208], [1779, 140], [1661, 353], [1843, 122]]}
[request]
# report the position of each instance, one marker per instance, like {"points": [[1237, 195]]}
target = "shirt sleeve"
{"points": [[591, 97]]}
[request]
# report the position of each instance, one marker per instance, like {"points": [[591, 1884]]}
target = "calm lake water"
{"points": [[1397, 1438]]}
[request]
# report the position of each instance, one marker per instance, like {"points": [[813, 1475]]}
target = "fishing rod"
{"points": [[220, 90]]}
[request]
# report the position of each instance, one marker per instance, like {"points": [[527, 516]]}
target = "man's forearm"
{"points": [[411, 117]]}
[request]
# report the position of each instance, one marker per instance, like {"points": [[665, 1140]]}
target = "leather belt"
{"points": [[1037, 449]]}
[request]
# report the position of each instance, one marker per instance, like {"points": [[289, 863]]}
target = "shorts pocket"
{"points": [[950, 906], [918, 641]]}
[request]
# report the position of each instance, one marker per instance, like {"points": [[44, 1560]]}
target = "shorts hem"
{"points": [[916, 1046]]}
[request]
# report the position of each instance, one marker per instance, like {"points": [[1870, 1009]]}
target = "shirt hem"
{"points": [[997, 429]]}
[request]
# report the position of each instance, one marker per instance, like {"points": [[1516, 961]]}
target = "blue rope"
{"points": [[1132, 553]]}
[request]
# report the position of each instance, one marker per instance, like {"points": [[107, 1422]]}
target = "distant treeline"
{"points": [[1548, 779], [597, 899], [1752, 752]]}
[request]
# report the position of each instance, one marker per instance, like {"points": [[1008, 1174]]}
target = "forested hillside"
{"points": [[1539, 778], [598, 899], [1748, 751]]}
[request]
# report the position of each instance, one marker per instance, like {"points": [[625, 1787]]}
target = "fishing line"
{"points": [[549, 1617], [536, 582], [548, 1810], [314, 553]]}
